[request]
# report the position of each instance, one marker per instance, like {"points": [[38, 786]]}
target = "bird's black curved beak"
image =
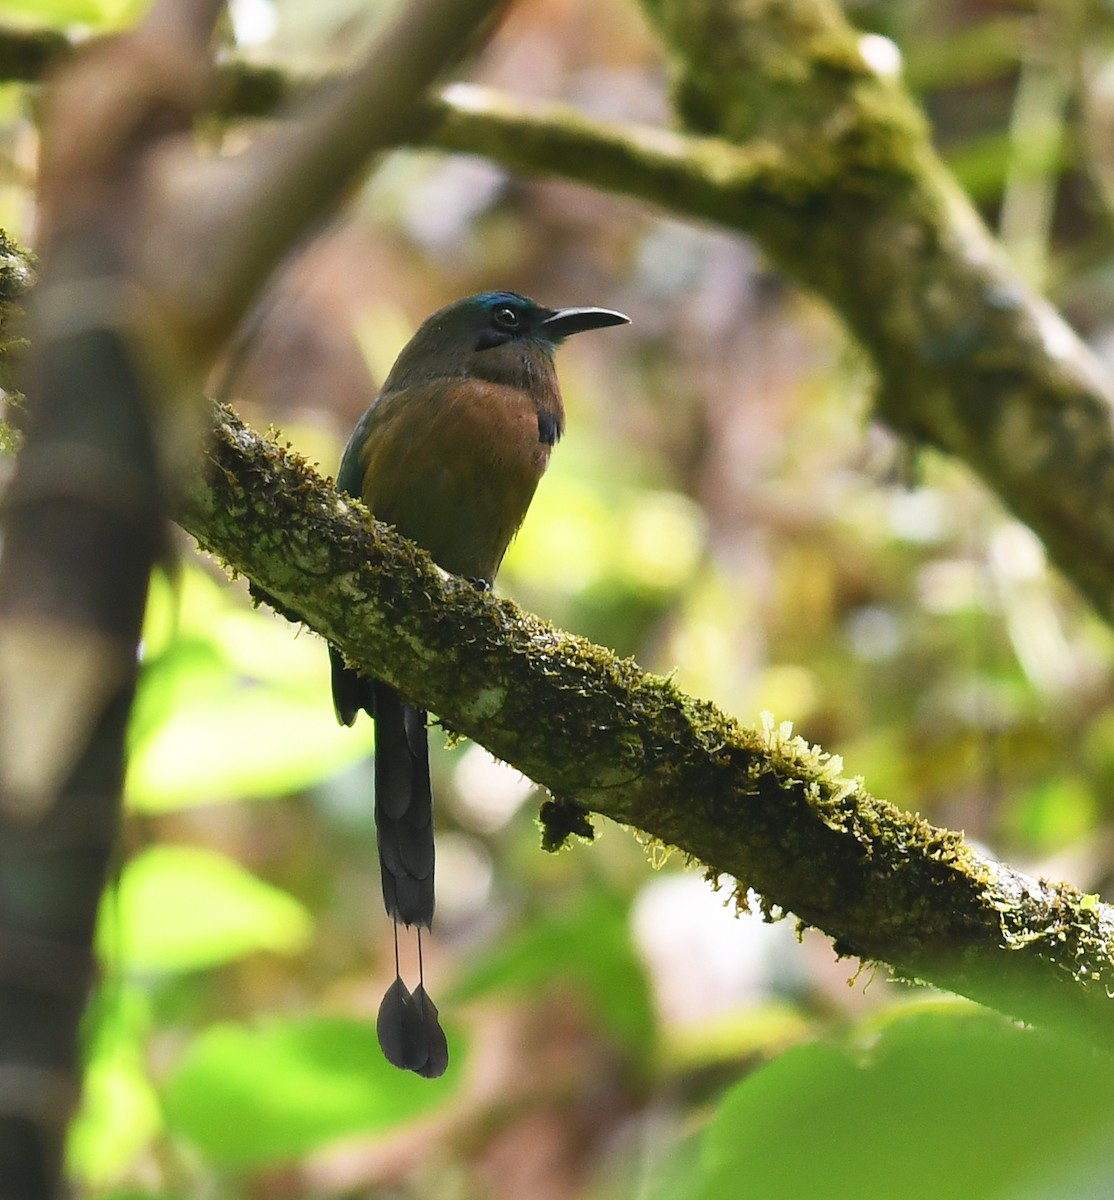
{"points": [[566, 321]]}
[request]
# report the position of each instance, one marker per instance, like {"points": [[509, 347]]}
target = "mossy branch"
{"points": [[969, 358], [758, 805], [829, 167]]}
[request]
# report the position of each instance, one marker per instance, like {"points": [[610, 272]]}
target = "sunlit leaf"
{"points": [[942, 1104], [131, 1194], [270, 1093], [568, 543], [181, 908], [96, 13], [761, 1029], [582, 533], [1053, 813], [120, 1112], [231, 704], [245, 742], [187, 671], [661, 539]]}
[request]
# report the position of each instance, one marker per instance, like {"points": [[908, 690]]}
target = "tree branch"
{"points": [[235, 217], [828, 165], [830, 168], [970, 359], [758, 805]]}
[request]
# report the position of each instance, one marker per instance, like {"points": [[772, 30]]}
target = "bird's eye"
{"points": [[505, 317]]}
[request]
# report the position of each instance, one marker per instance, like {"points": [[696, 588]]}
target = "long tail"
{"points": [[403, 799], [408, 1028], [351, 691], [410, 1035], [403, 808]]}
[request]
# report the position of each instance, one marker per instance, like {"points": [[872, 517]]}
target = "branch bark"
{"points": [[828, 165], [969, 358], [759, 805], [235, 218]]}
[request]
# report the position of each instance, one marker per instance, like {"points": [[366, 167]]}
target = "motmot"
{"points": [[450, 453]]}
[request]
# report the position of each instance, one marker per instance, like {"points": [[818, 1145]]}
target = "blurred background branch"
{"points": [[83, 527], [969, 358], [150, 253]]}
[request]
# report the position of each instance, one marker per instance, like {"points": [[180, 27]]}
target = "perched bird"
{"points": [[449, 453]]}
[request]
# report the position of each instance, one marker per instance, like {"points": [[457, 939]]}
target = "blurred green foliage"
{"points": [[95, 14], [269, 1093], [721, 508], [184, 908], [943, 1103], [584, 953], [218, 677]]}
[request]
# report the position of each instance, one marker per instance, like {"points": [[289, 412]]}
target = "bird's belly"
{"points": [[458, 475]]}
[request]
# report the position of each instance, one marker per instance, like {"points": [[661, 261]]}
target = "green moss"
{"points": [[762, 806]]}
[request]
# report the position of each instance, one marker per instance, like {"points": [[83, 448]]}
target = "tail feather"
{"points": [[403, 807], [410, 1033], [436, 1045], [396, 762], [413, 722], [408, 1027], [405, 897], [415, 849]]}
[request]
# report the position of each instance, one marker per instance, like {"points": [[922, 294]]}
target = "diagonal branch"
{"points": [[846, 193], [969, 358], [758, 805]]}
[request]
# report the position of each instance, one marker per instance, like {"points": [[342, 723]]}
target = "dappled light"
{"points": [[862, 511]]}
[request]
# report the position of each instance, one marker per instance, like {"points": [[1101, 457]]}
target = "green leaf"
{"points": [[588, 946], [242, 742], [96, 13], [568, 543], [1054, 812], [231, 704], [180, 908], [247, 1096], [947, 1103], [120, 1112], [582, 533], [131, 1194]]}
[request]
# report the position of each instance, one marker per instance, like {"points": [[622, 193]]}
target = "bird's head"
{"points": [[501, 317], [486, 334]]}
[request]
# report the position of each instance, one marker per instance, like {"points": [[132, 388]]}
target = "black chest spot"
{"points": [[549, 428]]}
